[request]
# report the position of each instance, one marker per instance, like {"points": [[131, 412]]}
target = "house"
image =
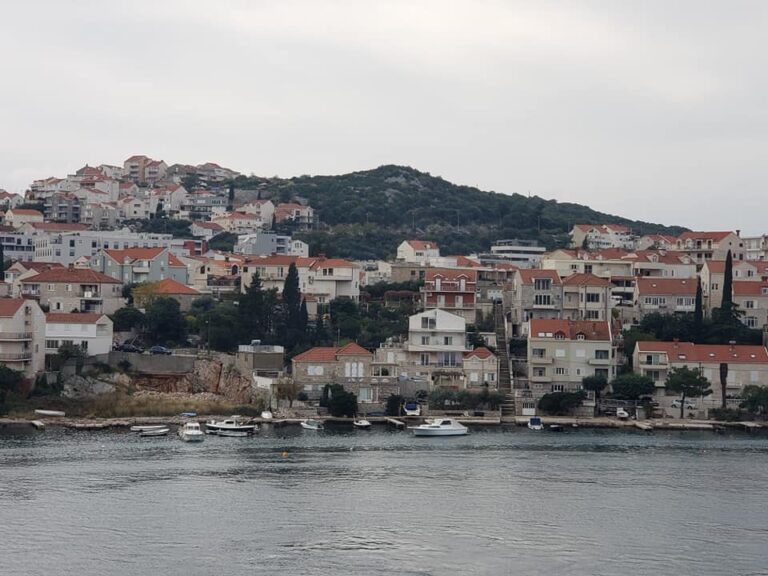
{"points": [[133, 208], [17, 217], [135, 265], [63, 207], [73, 290], [586, 297], [349, 365], [418, 251], [92, 332], [9, 200], [703, 246], [211, 174], [600, 237], [201, 205], [22, 269], [656, 242], [100, 215], [302, 216], [713, 274], [268, 243], [22, 335], [665, 296], [747, 365], [561, 353], [168, 288], [207, 230], [521, 253], [167, 200], [481, 367], [752, 299], [533, 293], [264, 209], [142, 169], [755, 247], [239, 222], [452, 290]]}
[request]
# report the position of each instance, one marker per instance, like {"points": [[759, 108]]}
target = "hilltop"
{"points": [[368, 213]]}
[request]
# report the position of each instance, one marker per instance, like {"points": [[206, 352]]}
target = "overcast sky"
{"points": [[650, 110]]}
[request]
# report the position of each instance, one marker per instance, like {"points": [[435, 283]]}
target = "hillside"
{"points": [[368, 213]]}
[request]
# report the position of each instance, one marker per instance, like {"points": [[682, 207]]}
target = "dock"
{"points": [[645, 427], [396, 423]]}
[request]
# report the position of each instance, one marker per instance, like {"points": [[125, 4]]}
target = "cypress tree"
{"points": [[698, 313], [2, 260], [231, 199], [303, 316], [292, 308], [727, 301]]}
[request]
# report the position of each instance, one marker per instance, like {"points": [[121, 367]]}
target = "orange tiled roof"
{"points": [[750, 288], [681, 352], [71, 275], [450, 274], [481, 353], [9, 306], [352, 349], [570, 329], [704, 235], [73, 318], [423, 244], [25, 212], [585, 280], [171, 286], [665, 286], [134, 254], [528, 275]]}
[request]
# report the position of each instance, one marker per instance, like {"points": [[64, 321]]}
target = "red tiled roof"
{"points": [[716, 236], [134, 254], [208, 225], [171, 286], [317, 354], [25, 212], [9, 306], [667, 286], [481, 353], [592, 330], [603, 228], [352, 349], [71, 275], [528, 275], [73, 318], [450, 274], [681, 352], [423, 244], [585, 280], [40, 266], [58, 226], [750, 288], [718, 266]]}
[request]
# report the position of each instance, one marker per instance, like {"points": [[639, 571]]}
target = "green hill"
{"points": [[369, 213]]}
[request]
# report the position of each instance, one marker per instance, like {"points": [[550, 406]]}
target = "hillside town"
{"points": [[145, 263]]}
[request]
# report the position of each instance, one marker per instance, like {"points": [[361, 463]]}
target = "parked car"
{"points": [[689, 404], [160, 350], [131, 348]]}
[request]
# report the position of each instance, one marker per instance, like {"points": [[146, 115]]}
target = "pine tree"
{"points": [[256, 310]]}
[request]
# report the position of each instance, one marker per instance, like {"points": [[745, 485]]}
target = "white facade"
{"points": [[91, 332]]}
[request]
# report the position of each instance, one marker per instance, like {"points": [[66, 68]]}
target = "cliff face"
{"points": [[217, 376]]}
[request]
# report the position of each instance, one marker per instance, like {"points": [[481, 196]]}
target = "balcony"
{"points": [[599, 361], [444, 288], [541, 379], [15, 356], [89, 294], [6, 336], [541, 360]]}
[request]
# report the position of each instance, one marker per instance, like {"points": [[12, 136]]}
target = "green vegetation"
{"points": [[631, 386], [371, 212], [594, 384], [10, 380], [338, 401], [561, 403], [755, 399], [128, 318], [689, 383], [444, 399], [165, 323], [224, 241], [394, 404], [288, 389], [179, 228]]}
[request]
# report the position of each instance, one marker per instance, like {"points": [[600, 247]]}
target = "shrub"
{"points": [[394, 402], [561, 403]]}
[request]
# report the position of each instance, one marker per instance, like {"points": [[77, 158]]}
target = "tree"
{"points": [[755, 399], [632, 337], [288, 389], [2, 259], [224, 241], [231, 197], [394, 404], [698, 313], [292, 321], [65, 353], [9, 381], [165, 323], [723, 382], [632, 386], [727, 300], [689, 383], [257, 308], [339, 401], [128, 318], [595, 384], [561, 403]]}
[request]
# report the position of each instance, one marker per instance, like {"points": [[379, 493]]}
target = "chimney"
{"points": [[738, 233], [731, 344]]}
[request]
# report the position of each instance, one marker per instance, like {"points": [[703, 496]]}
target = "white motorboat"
{"points": [[49, 412], [621, 414], [440, 427], [266, 415], [535, 423], [311, 424], [191, 432], [412, 409], [233, 433], [232, 424], [362, 424], [155, 432], [148, 427]]}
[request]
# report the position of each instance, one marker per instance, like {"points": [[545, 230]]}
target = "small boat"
{"points": [[188, 414], [361, 424], [156, 432], [266, 415], [49, 412], [233, 433], [440, 427], [621, 414], [311, 424], [534, 423], [147, 428], [232, 424], [412, 409], [555, 428], [191, 432]]}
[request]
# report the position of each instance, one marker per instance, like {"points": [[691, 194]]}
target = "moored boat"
{"points": [[155, 432], [232, 424], [440, 427], [311, 424], [49, 412], [361, 424], [191, 432], [266, 415], [555, 428], [412, 409], [534, 423], [147, 428]]}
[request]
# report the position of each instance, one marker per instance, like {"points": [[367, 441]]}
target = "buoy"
{"points": [[285, 454]]}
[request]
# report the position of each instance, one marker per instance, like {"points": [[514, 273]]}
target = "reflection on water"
{"points": [[498, 501]]}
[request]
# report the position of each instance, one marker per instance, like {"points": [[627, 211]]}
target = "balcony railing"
{"points": [[15, 336], [18, 356], [444, 288], [542, 378], [542, 360], [599, 361]]}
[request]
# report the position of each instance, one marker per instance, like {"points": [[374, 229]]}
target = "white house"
{"points": [[417, 251], [91, 332]]}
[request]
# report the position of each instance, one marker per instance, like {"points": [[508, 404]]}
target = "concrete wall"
{"points": [[151, 364]]}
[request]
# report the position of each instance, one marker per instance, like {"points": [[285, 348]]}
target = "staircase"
{"points": [[505, 374]]}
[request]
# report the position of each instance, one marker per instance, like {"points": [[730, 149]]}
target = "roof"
{"points": [[680, 352], [58, 226], [73, 275], [704, 235], [352, 349], [585, 280], [603, 228], [667, 286], [25, 212], [423, 244], [208, 225], [450, 274], [38, 266], [238, 216], [329, 354], [481, 353], [750, 288], [570, 329], [134, 254], [9, 306], [528, 275], [171, 286], [718, 266], [73, 318]]}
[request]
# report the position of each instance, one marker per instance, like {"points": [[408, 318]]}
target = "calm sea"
{"points": [[382, 502]]}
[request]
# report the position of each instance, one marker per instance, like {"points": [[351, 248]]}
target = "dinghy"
{"points": [[49, 412], [156, 432], [148, 427]]}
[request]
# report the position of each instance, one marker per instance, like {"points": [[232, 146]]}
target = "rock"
{"points": [[80, 387]]}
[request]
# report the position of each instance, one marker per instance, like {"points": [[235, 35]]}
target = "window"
{"points": [[602, 354], [587, 268], [542, 284], [314, 370], [538, 371], [84, 345], [686, 301], [592, 315], [560, 353], [749, 304], [425, 340], [424, 359], [365, 395], [542, 300], [751, 321], [601, 373], [654, 375], [428, 323], [593, 297], [448, 340], [557, 387], [52, 344], [560, 371]]}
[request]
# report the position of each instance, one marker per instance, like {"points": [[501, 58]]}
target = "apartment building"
{"points": [[656, 242], [752, 299], [601, 237], [703, 246], [239, 222], [73, 290], [713, 274], [747, 365], [64, 207], [665, 296], [418, 251], [533, 294], [586, 297], [66, 247], [268, 243], [207, 230], [452, 290], [136, 265], [22, 334], [302, 216], [92, 332], [520, 253]]}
